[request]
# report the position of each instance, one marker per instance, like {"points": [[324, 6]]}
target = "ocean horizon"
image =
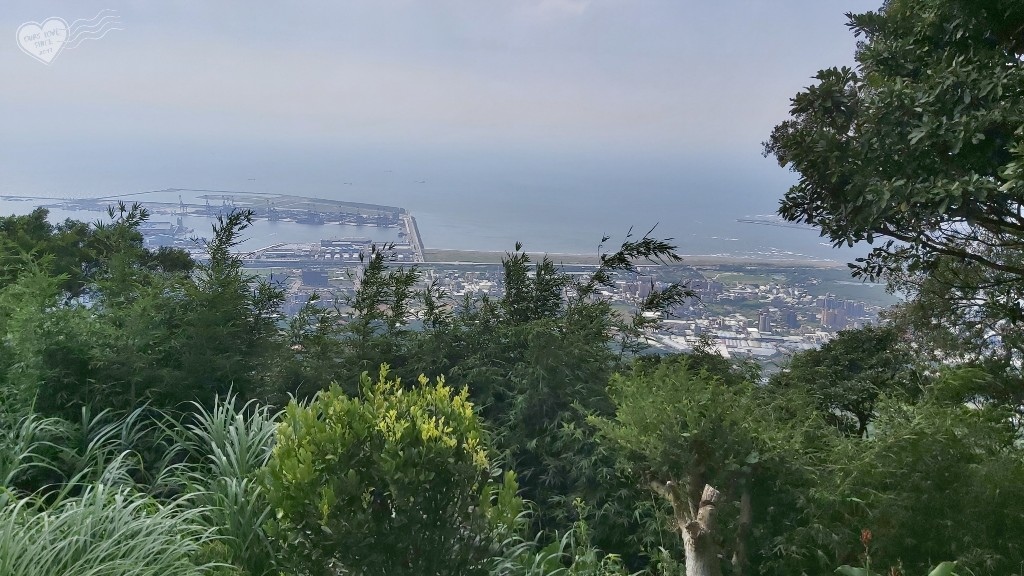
{"points": [[550, 203]]}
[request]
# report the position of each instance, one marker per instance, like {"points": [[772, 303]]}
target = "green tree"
{"points": [[78, 252], [26, 308], [336, 342], [149, 326], [920, 151], [69, 247], [538, 359], [919, 143], [224, 334], [847, 376], [384, 483], [715, 450], [938, 479]]}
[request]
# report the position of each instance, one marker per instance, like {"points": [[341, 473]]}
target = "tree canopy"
{"points": [[919, 151], [849, 374], [922, 143], [522, 434], [160, 415]]}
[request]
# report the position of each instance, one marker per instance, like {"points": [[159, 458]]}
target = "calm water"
{"points": [[470, 200], [263, 233]]}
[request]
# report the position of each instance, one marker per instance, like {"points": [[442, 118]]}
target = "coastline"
{"points": [[171, 203], [439, 255]]}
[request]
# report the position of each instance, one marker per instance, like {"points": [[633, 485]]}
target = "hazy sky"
{"points": [[669, 78]]}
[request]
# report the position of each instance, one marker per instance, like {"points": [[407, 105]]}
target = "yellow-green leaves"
{"points": [[388, 482]]}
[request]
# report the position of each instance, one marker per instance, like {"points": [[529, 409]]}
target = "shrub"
{"points": [[385, 483]]}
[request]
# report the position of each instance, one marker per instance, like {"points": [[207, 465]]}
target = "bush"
{"points": [[385, 483]]}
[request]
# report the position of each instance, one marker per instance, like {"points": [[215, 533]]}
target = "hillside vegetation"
{"points": [[159, 415]]}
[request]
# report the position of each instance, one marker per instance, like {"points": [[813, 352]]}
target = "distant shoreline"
{"points": [[438, 255], [443, 255]]}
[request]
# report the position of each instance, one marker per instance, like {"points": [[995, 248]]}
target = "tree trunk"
{"points": [[695, 521], [740, 560]]}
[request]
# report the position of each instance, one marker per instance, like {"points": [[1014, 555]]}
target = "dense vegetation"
{"points": [[158, 415]]}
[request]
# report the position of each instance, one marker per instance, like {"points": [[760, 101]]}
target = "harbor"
{"points": [[290, 228]]}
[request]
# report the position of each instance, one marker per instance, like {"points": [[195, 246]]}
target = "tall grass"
{"points": [[103, 531], [26, 443], [570, 555], [98, 521], [228, 447], [573, 554], [136, 495], [232, 442]]}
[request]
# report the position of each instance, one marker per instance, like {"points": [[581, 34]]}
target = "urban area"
{"points": [[756, 310]]}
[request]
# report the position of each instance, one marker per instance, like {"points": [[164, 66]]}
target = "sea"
{"points": [[551, 201]]}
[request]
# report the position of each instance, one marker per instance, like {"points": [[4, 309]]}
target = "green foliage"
{"points": [[673, 423], [913, 144], [920, 149], [919, 485], [226, 324], [688, 422], [944, 569], [177, 334], [27, 322], [847, 376], [394, 477], [24, 446], [679, 427], [104, 530], [97, 520], [960, 315], [336, 342], [537, 360], [572, 554], [228, 448], [384, 483], [151, 330], [80, 253], [380, 310]]}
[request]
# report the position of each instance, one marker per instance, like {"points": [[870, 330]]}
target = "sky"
{"points": [[668, 75], [189, 93]]}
